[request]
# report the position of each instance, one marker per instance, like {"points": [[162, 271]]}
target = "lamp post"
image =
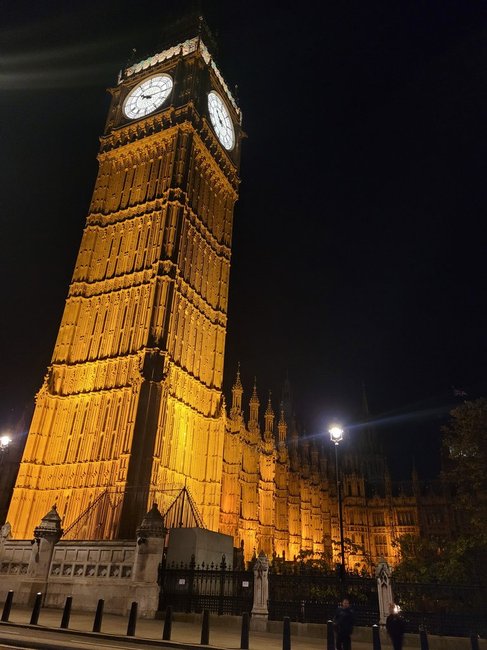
{"points": [[336, 436]]}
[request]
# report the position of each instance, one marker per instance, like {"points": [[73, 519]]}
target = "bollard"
{"points": [[66, 613], [166, 632], [36, 610], [205, 628], [474, 641], [98, 616], [376, 638], [330, 636], [244, 637], [286, 633], [132, 620], [423, 640], [7, 606]]}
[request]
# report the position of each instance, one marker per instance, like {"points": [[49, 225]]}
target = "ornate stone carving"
{"points": [[50, 527], [152, 524], [384, 589]]}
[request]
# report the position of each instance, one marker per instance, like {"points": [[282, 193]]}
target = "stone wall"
{"points": [[14, 565], [89, 571], [86, 571], [119, 572]]}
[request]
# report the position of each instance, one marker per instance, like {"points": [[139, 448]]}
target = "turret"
{"points": [[269, 420], [237, 392], [282, 428], [254, 410]]}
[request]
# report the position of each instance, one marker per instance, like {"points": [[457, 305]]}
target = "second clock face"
{"points": [[147, 96], [221, 120]]}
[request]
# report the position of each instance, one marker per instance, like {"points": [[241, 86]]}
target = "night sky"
{"points": [[359, 247]]}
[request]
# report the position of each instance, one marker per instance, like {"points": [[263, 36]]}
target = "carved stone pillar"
{"points": [[151, 535], [260, 610], [5, 535], [384, 589], [46, 535]]}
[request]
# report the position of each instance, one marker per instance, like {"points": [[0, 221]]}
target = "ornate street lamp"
{"points": [[336, 436]]}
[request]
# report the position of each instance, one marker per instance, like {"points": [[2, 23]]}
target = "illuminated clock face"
{"points": [[147, 96], [221, 121]]}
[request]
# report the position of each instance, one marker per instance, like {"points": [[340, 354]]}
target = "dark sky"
{"points": [[359, 249]]}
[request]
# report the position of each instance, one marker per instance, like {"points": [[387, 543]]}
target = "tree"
{"points": [[465, 445], [462, 558], [454, 561]]}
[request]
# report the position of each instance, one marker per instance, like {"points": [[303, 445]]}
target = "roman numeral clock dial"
{"points": [[221, 121], [147, 96]]}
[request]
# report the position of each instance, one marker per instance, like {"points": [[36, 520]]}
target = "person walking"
{"points": [[395, 626], [343, 624]]}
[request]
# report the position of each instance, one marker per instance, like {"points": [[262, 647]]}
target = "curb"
{"points": [[48, 645]]}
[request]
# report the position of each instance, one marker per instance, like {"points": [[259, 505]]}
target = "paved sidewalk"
{"points": [[186, 634], [224, 633]]}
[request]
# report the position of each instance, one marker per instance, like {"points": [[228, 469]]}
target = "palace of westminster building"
{"points": [[131, 410]]}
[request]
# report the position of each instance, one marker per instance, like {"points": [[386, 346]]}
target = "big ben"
{"points": [[131, 408]]}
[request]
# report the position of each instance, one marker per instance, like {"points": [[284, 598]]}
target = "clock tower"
{"points": [[131, 409]]}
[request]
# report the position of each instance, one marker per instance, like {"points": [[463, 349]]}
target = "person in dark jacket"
{"points": [[343, 624], [395, 626]]}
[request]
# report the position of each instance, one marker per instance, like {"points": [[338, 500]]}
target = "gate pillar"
{"points": [[260, 609], [151, 536], [46, 535], [384, 589]]}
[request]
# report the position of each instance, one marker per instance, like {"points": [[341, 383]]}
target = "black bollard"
{"points": [[37, 609], [205, 628], [66, 613], [244, 637], [7, 606], [330, 636], [423, 640], [132, 620], [376, 638], [286, 633], [474, 641], [166, 632], [98, 616]]}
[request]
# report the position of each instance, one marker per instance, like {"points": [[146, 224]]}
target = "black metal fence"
{"points": [[194, 588], [313, 597], [452, 610]]}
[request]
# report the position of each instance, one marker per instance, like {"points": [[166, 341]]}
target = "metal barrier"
{"points": [[193, 588]]}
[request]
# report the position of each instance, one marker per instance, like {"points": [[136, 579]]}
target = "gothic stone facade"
{"points": [[279, 493]]}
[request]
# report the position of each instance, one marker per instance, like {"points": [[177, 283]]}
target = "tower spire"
{"points": [[237, 392], [365, 401], [269, 417], [254, 409], [282, 427]]}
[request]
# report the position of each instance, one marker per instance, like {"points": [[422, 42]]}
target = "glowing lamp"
{"points": [[5, 441], [336, 434]]}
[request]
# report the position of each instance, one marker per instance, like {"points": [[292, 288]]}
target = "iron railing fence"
{"points": [[313, 597], [194, 588], [451, 610]]}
